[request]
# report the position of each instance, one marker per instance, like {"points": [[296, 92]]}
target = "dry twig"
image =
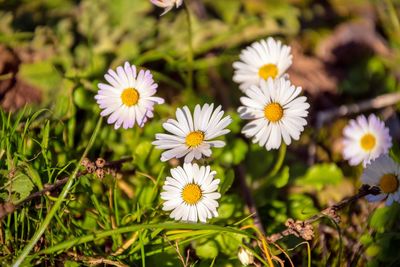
{"points": [[100, 168], [305, 230], [92, 261], [344, 110]]}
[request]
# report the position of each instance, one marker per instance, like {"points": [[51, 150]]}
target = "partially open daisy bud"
{"points": [[128, 98], [384, 173], [167, 4], [192, 136], [260, 61], [191, 193], [276, 112], [365, 140], [245, 256]]}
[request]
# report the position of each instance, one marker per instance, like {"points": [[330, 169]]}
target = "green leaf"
{"points": [[69, 263], [145, 196], [373, 250], [301, 206], [227, 182], [229, 243], [142, 151], [366, 239], [41, 74], [45, 136], [63, 101], [206, 249], [227, 206], [21, 186], [4, 196], [385, 217], [34, 175], [239, 150], [228, 10], [82, 98], [89, 222], [280, 179], [320, 175]]}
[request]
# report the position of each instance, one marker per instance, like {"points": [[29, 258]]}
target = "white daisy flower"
{"points": [[192, 136], [365, 140], [128, 97], [260, 61], [384, 173], [191, 193], [276, 112], [167, 4]]}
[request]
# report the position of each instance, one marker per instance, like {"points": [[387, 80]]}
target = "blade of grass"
{"points": [[142, 253], [213, 261], [58, 203], [133, 228]]}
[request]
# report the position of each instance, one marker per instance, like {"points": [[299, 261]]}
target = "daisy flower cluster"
{"points": [[367, 141], [191, 191], [274, 106], [276, 113]]}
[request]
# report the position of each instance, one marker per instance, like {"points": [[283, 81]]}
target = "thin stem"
{"points": [[279, 161], [248, 198], [264, 243], [57, 204], [50, 188], [190, 49]]}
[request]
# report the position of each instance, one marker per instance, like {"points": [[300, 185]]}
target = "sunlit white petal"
{"points": [[192, 135], [190, 193], [365, 139], [257, 58], [275, 111], [128, 98]]}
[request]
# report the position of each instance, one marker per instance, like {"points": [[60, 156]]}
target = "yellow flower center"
{"points": [[194, 139], [191, 194], [130, 97], [368, 142], [268, 71], [273, 112], [389, 183]]}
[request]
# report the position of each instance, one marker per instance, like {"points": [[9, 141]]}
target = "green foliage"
{"points": [[206, 249], [21, 185], [321, 175], [65, 47]]}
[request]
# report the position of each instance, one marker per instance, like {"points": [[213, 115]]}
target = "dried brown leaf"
{"points": [[311, 73], [351, 41], [14, 93]]}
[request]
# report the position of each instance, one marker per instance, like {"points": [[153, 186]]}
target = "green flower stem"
{"points": [[134, 228], [57, 204], [279, 161], [190, 49]]}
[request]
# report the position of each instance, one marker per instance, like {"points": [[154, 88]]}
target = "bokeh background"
{"points": [[54, 52]]}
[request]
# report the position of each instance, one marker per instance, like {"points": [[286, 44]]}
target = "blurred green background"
{"points": [[52, 55]]}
